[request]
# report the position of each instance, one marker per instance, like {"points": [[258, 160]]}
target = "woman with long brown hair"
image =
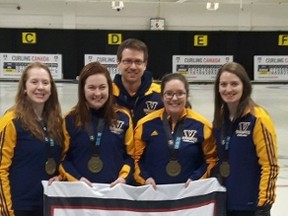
{"points": [[99, 132], [31, 143], [246, 144]]}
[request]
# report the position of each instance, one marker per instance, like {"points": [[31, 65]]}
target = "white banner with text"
{"points": [[199, 68], [202, 197], [13, 64], [271, 68], [110, 61]]}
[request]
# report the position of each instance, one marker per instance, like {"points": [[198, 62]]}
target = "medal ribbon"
{"points": [[227, 130], [95, 143], [48, 140], [173, 145]]}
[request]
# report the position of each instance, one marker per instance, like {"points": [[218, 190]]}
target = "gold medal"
{"points": [[225, 169], [50, 166], [173, 168], [95, 164]]}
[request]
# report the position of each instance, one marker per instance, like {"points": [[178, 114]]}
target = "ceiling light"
{"points": [[117, 5], [181, 1], [212, 6]]}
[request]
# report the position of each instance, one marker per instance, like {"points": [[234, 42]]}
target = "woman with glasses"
{"points": [[173, 144]]}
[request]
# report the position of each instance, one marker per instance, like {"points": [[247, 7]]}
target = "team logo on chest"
{"points": [[117, 128], [150, 106], [243, 130], [190, 136]]}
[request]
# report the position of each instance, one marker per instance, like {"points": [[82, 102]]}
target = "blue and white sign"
{"points": [[271, 68], [199, 68], [12, 64], [110, 61]]}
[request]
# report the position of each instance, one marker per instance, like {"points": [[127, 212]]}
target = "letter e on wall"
{"points": [[200, 40]]}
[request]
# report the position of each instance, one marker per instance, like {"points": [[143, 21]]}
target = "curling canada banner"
{"points": [[110, 61], [202, 197], [13, 64], [199, 68]]}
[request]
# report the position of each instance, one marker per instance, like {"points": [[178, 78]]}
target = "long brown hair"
{"points": [[51, 112], [245, 101], [81, 110]]}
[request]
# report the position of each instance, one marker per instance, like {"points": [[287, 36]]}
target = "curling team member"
{"points": [[173, 144], [133, 88], [31, 143], [246, 143], [99, 132]]}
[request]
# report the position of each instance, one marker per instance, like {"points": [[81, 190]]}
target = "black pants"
{"points": [[29, 213], [240, 213]]}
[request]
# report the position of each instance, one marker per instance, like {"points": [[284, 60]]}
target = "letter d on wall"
{"points": [[114, 39]]}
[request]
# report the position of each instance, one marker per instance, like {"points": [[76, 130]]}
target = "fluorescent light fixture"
{"points": [[212, 6], [117, 5], [181, 1]]}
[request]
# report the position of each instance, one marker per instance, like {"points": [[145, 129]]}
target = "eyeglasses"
{"points": [[137, 62], [170, 95]]}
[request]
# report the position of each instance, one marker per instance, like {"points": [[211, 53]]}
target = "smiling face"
{"points": [[230, 88], [96, 91], [174, 97], [132, 65], [38, 86]]}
